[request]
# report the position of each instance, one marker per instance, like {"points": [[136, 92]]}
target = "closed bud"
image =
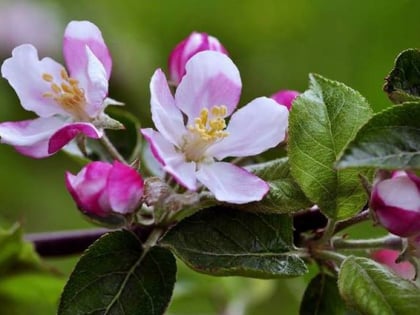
{"points": [[103, 190], [190, 46], [396, 203], [285, 97]]}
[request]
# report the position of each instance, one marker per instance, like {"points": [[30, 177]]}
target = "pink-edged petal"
{"points": [[30, 137], [68, 132], [166, 116], [400, 192], [24, 71], [389, 257], [95, 86], [77, 36], [254, 128], [285, 97], [172, 161], [125, 188], [88, 188], [211, 79], [231, 183]]}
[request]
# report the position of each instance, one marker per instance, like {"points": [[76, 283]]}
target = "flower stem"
{"points": [[392, 242], [360, 217], [107, 144], [329, 255], [328, 232]]}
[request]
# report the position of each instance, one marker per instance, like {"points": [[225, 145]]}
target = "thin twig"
{"points": [[107, 144]]}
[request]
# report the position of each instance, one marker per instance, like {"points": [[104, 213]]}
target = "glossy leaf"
{"points": [[390, 140], [285, 195], [373, 290], [322, 297], [225, 242], [403, 82], [323, 121], [114, 276]]}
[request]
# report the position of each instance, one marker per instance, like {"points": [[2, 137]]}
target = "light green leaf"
{"points": [[115, 277], [403, 82], [322, 297], [225, 242], [390, 140], [373, 290], [285, 195], [322, 122]]}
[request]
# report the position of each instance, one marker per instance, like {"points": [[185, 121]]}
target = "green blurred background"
{"points": [[275, 44]]}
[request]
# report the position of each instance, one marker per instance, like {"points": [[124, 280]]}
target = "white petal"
{"points": [[400, 192], [172, 161], [258, 126], [211, 79], [24, 72], [231, 183], [166, 116]]}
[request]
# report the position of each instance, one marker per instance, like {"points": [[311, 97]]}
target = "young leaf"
{"points": [[373, 290], [390, 140], [322, 297], [116, 277], [322, 122], [225, 242], [403, 82], [285, 195]]}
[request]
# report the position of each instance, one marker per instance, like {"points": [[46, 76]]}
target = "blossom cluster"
{"points": [[197, 127]]}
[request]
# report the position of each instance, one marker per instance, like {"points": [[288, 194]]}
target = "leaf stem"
{"points": [[329, 255], [107, 144], [392, 242], [328, 232]]}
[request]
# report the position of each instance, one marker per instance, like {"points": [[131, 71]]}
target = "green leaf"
{"points": [[225, 242], [322, 297], [403, 82], [373, 290], [322, 122], [116, 277], [285, 195], [390, 140], [32, 293]]}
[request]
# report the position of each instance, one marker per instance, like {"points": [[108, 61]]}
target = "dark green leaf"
{"points": [[225, 242], [373, 290], [285, 194], [323, 121], [403, 82], [390, 140], [115, 277], [322, 297]]}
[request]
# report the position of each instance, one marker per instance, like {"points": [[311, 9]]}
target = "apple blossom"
{"points": [[67, 103], [388, 258], [396, 202], [102, 188], [192, 153], [193, 44], [285, 97]]}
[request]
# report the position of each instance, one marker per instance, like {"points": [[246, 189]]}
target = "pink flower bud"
{"points": [[102, 189], [285, 97], [396, 202], [193, 44], [388, 258]]}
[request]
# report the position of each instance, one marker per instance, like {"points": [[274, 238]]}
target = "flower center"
{"points": [[208, 128], [67, 94]]}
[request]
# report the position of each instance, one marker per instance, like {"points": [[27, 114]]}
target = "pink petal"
{"points": [[88, 188], [166, 116], [211, 79], [400, 192], [125, 188], [30, 137], [388, 258], [77, 36], [190, 46], [231, 183], [96, 86], [24, 72], [285, 97], [68, 132], [173, 161], [258, 126]]}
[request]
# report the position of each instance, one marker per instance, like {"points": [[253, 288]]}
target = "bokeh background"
{"points": [[274, 43]]}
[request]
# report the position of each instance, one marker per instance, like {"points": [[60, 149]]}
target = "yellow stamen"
{"points": [[67, 94]]}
